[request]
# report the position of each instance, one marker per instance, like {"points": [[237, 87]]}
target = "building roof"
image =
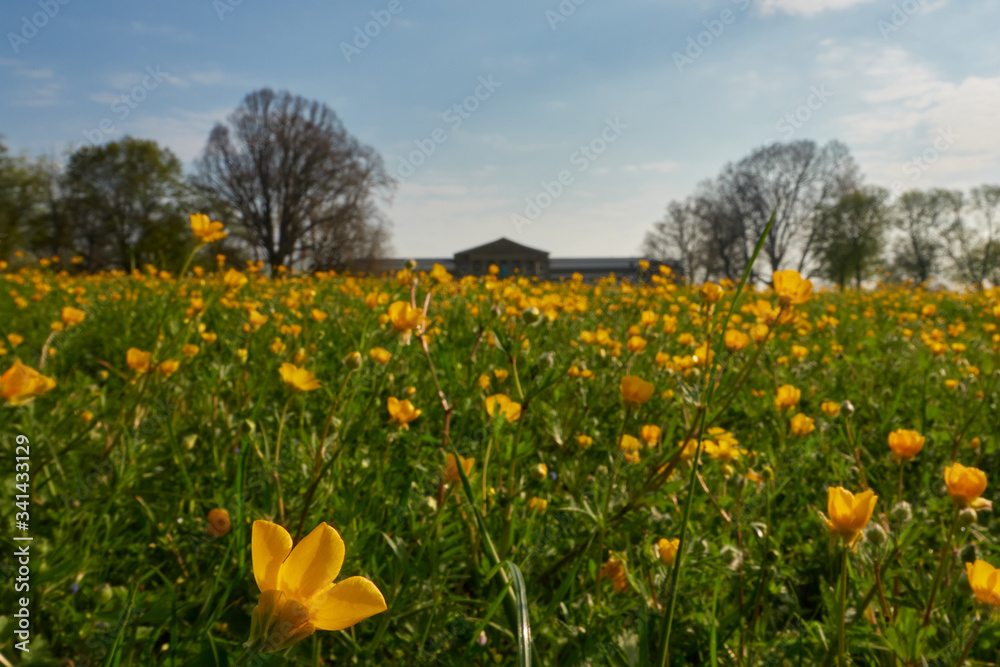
{"points": [[503, 246]]}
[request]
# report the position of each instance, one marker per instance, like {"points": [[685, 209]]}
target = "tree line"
{"points": [[292, 186], [827, 223]]}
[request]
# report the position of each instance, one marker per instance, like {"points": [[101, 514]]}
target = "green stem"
{"points": [[249, 653], [972, 640], [940, 571], [842, 630]]}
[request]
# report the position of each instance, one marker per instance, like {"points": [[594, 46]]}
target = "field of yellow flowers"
{"points": [[219, 467]]}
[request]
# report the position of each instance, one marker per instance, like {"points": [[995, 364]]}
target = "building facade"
{"points": [[512, 258]]}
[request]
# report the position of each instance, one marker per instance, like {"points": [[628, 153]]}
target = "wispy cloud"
{"points": [[806, 7]]}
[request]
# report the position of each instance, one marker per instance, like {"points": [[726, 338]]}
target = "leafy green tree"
{"points": [[126, 201], [851, 233], [22, 200]]}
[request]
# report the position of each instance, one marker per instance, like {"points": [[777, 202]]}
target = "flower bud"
{"points": [[353, 360], [847, 408], [531, 315], [411, 264], [967, 517], [767, 473], [877, 535], [540, 471], [902, 512], [218, 522]]}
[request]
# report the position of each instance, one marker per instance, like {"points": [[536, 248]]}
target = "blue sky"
{"points": [[630, 103]]}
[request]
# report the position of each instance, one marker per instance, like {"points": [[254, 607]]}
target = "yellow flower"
{"points": [[20, 384], [205, 230], [849, 513], [787, 397], [71, 316], [14, 339], [736, 340], [451, 468], [802, 425], [584, 441], [218, 522], [483, 381], [791, 289], [87, 416], [511, 410], [635, 390], [138, 360], [966, 485], [905, 444], [297, 378], [209, 337], [538, 505], [614, 570], [667, 550], [298, 595], [405, 318], [650, 434], [629, 447], [711, 293], [402, 412], [277, 347], [501, 374], [234, 279], [318, 315], [636, 344], [190, 350], [985, 582], [830, 408], [440, 274], [380, 354], [169, 367]]}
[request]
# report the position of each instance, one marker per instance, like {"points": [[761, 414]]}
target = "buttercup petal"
{"points": [[270, 545], [313, 564], [348, 602]]}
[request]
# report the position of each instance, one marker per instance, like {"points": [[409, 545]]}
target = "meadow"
{"points": [[521, 472]]}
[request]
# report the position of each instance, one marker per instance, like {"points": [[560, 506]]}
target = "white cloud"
{"points": [[908, 109], [806, 7]]}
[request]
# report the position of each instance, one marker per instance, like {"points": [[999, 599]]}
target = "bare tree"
{"points": [[679, 237], [922, 217], [302, 187], [973, 239], [715, 230], [793, 181]]}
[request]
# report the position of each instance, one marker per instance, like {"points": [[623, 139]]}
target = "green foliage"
{"points": [[124, 573]]}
